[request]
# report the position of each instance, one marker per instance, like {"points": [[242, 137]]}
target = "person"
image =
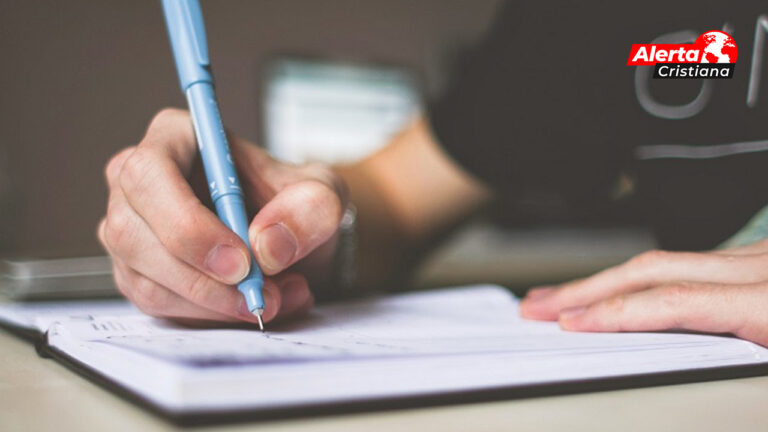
{"points": [[544, 107]]}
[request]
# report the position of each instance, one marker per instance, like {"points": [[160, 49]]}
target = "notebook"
{"points": [[441, 346]]}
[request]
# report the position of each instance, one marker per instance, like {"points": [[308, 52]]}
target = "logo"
{"points": [[712, 56]]}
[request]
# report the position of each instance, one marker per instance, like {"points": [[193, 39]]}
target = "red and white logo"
{"points": [[712, 55]]}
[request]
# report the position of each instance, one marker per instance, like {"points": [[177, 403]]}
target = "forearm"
{"points": [[407, 195], [381, 242]]}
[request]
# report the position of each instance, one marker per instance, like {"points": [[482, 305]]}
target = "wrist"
{"points": [[341, 270]]}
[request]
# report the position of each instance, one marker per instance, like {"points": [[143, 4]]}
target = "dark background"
{"points": [[81, 78]]}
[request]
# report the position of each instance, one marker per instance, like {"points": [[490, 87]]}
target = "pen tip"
{"points": [[258, 317]]}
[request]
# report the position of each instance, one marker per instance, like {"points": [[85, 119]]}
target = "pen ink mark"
{"points": [[299, 343]]}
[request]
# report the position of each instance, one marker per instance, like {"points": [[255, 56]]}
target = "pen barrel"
{"points": [[212, 141], [221, 176], [231, 210]]}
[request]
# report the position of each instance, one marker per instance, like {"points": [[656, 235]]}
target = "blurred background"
{"points": [[328, 80]]}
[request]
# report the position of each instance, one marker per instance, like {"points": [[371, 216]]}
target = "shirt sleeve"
{"points": [[526, 114]]}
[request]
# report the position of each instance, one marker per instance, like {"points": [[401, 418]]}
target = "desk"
{"points": [[524, 257], [38, 394]]}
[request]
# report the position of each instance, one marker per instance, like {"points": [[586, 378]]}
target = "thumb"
{"points": [[300, 206], [300, 218]]}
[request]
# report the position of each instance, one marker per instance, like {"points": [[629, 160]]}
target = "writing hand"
{"points": [[174, 258]]}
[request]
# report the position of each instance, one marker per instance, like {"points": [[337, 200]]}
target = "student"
{"points": [[545, 106]]}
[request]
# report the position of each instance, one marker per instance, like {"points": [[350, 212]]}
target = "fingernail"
{"points": [[295, 294], [229, 263], [271, 302], [570, 313], [539, 293], [276, 247]]}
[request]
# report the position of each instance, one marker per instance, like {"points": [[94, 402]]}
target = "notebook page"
{"points": [[430, 342], [39, 315], [471, 320]]}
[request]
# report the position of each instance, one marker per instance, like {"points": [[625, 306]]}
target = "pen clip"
{"points": [[195, 28], [186, 30]]}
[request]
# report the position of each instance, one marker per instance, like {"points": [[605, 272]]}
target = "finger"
{"points": [[699, 307], [152, 180], [648, 269], [295, 190], [293, 297], [301, 217], [296, 297], [128, 237], [115, 165], [100, 234], [171, 133], [158, 301], [759, 247], [111, 174], [264, 176]]}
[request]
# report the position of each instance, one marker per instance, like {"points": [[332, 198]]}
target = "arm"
{"points": [[407, 195]]}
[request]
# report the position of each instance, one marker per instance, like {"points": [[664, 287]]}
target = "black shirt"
{"points": [[546, 107]]}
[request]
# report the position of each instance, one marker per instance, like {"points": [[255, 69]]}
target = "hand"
{"points": [[174, 258], [715, 292]]}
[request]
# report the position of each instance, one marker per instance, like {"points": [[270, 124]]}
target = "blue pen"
{"points": [[186, 30]]}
